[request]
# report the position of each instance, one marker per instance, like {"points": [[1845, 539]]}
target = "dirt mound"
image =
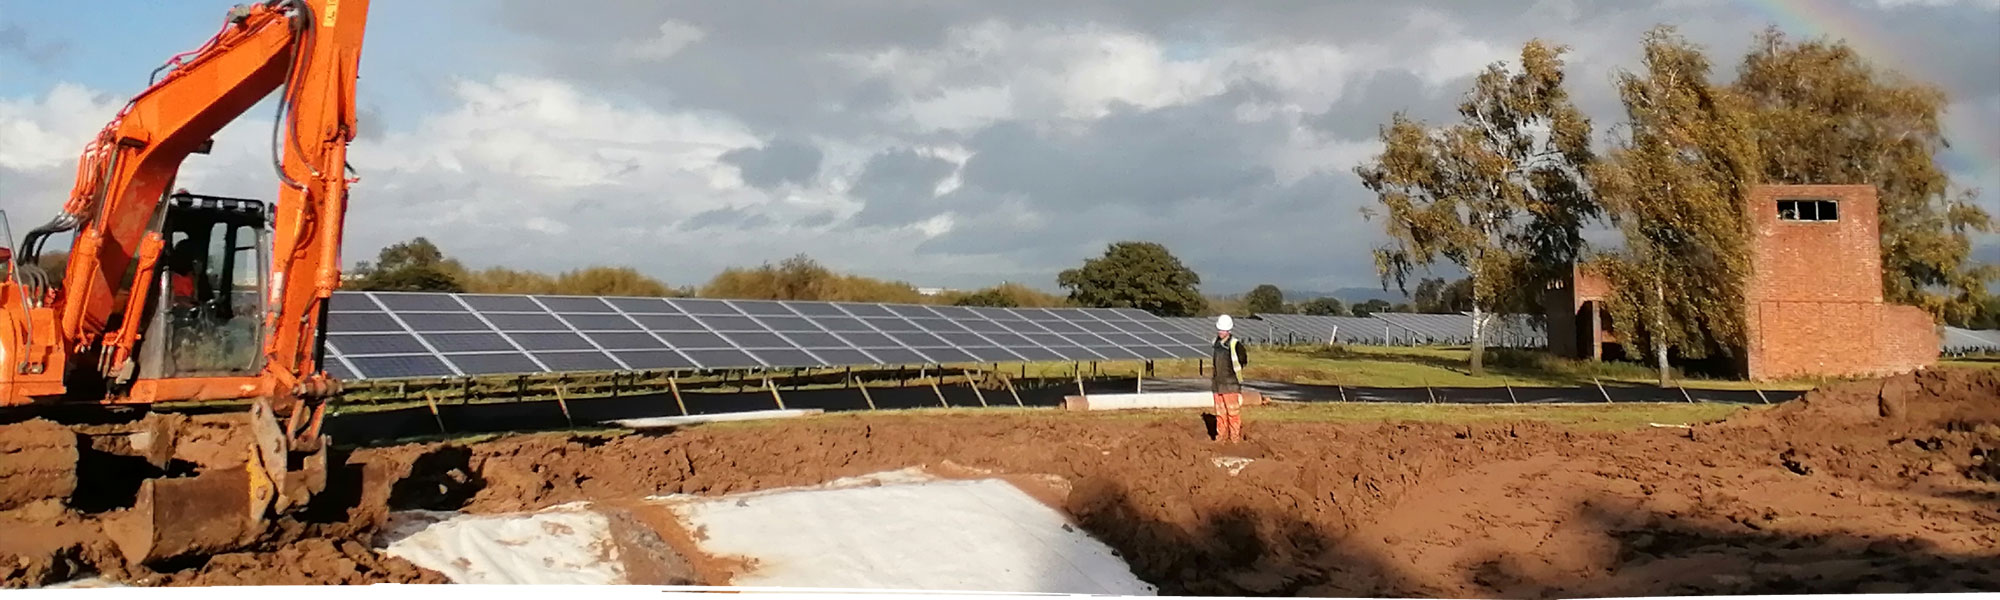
{"points": [[1854, 489], [1938, 397]]}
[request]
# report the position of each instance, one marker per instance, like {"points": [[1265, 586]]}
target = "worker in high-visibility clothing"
{"points": [[1230, 357]]}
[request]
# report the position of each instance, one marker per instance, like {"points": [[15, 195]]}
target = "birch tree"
{"points": [[1676, 186], [1502, 193]]}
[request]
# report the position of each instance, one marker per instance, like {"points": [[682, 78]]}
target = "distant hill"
{"points": [[1348, 295]]}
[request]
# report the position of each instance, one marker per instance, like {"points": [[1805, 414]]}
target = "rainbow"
{"points": [[1840, 20]]}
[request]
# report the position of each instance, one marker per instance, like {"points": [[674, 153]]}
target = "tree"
{"points": [[1142, 275], [413, 266], [1823, 115], [1429, 297], [1265, 299], [987, 297], [1457, 297], [802, 278], [1676, 186], [1323, 307], [1502, 193], [1371, 307], [1006, 295]]}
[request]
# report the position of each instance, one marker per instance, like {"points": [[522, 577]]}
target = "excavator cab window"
{"points": [[210, 287]]}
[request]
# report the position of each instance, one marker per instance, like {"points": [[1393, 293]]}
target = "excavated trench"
{"points": [[1867, 487]]}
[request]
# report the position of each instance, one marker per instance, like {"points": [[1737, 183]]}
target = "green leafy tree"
{"points": [[1265, 299], [1371, 307], [802, 278], [1429, 297], [1323, 307], [1142, 275], [1824, 115], [1676, 185], [413, 266], [1501, 193], [1007, 295], [1457, 297]]}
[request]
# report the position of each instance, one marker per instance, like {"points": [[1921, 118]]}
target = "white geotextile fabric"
{"points": [[899, 530], [566, 544], [906, 531]]}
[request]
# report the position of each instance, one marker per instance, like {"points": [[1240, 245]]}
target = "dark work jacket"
{"points": [[1226, 380]]}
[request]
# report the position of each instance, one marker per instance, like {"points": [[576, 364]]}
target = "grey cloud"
{"points": [[782, 161], [1303, 233], [1185, 175], [1147, 157], [724, 218], [1367, 104], [18, 41], [899, 186]]}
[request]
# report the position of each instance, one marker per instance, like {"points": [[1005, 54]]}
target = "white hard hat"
{"points": [[1222, 323]]}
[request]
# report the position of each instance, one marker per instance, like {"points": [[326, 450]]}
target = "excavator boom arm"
{"points": [[234, 468], [308, 52]]}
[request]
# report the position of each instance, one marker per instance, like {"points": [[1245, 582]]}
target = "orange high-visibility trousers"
{"points": [[1229, 417]]}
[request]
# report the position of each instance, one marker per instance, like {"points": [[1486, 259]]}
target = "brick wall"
{"points": [[1562, 303], [1814, 338], [1909, 339], [1814, 297], [1819, 261]]}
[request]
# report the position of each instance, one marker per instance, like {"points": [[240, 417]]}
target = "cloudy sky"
{"points": [[945, 143]]}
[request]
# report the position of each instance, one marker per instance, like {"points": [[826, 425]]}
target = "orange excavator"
{"points": [[168, 381]]}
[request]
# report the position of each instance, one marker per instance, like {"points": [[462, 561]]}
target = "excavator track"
{"points": [[165, 485]]}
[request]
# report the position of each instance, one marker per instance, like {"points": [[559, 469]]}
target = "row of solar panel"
{"points": [[1378, 328], [1958, 340], [389, 335]]}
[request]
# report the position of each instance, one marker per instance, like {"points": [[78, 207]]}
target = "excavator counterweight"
{"points": [[166, 380]]}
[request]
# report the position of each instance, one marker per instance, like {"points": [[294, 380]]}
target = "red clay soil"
{"points": [[1887, 486]]}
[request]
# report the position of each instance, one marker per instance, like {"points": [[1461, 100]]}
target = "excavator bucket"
{"points": [[239, 480]]}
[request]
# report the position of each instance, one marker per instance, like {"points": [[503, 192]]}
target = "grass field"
{"points": [[1396, 366], [1581, 416]]}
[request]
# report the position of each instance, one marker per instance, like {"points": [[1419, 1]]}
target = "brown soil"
{"points": [[1887, 486]]}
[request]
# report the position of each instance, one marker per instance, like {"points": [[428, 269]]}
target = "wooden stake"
{"points": [[673, 383], [564, 403], [939, 392], [1343, 393], [1761, 396], [434, 411], [1510, 393], [1684, 392], [975, 388], [1010, 390], [774, 393], [1079, 383], [864, 391], [1600, 389]]}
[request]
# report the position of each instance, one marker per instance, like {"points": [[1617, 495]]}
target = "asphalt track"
{"points": [[380, 426]]}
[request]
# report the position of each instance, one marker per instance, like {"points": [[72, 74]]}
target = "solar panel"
{"points": [[1957, 340], [389, 335]]}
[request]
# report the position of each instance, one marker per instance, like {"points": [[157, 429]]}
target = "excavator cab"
{"points": [[207, 313]]}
